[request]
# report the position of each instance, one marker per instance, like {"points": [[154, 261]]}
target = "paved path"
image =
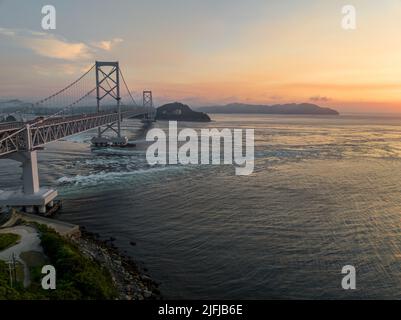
{"points": [[29, 242]]}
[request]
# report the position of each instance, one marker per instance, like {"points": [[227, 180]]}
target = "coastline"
{"points": [[128, 280], [131, 281]]}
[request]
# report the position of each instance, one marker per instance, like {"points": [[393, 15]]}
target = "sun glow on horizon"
{"points": [[202, 52]]}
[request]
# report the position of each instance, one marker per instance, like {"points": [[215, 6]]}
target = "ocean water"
{"points": [[325, 193]]}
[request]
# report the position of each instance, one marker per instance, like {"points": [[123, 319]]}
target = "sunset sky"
{"points": [[206, 52]]}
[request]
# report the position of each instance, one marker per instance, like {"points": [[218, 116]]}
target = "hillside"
{"points": [[180, 112], [293, 108]]}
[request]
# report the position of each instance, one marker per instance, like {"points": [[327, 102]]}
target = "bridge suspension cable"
{"points": [[58, 98], [126, 86], [65, 108], [64, 89]]}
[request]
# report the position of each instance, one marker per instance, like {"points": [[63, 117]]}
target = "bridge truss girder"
{"points": [[31, 137]]}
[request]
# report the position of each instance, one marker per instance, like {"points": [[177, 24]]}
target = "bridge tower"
{"points": [[147, 100], [147, 103], [108, 85]]}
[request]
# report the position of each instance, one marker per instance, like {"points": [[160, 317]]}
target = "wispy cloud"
{"points": [[107, 44], [61, 69], [275, 97], [7, 32], [319, 99], [53, 46]]}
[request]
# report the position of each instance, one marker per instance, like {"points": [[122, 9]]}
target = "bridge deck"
{"points": [[42, 131]]}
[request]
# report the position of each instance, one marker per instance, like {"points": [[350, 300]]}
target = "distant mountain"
{"points": [[13, 105], [292, 108], [180, 112]]}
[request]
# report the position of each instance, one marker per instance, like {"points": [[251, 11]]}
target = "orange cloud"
{"points": [[107, 44], [55, 48], [52, 46]]}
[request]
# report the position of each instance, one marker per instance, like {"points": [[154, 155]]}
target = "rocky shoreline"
{"points": [[131, 282]]}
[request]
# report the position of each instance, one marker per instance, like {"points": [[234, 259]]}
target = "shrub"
{"points": [[7, 240]]}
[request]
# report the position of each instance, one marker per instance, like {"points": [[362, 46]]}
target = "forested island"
{"points": [[180, 112]]}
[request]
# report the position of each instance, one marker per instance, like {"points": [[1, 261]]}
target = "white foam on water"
{"points": [[110, 177]]}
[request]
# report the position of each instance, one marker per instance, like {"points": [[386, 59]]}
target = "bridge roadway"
{"points": [[36, 133]]}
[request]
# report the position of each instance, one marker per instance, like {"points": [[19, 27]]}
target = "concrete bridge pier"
{"points": [[31, 197], [29, 164]]}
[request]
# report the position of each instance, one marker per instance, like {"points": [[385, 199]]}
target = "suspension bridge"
{"points": [[94, 100]]}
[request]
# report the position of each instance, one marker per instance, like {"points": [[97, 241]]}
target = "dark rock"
{"points": [[130, 281]]}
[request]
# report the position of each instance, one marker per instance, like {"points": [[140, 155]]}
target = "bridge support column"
{"points": [[31, 198], [30, 176]]}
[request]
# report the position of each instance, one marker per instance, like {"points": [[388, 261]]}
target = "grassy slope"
{"points": [[77, 276], [7, 240]]}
